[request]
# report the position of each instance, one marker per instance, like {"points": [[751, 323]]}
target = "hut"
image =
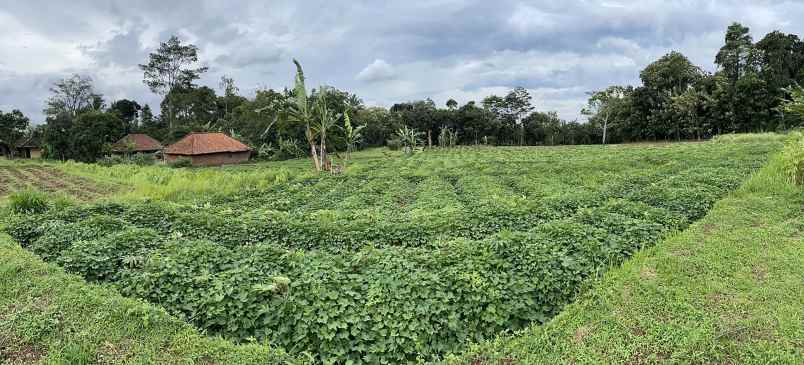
{"points": [[137, 143], [208, 149], [29, 147]]}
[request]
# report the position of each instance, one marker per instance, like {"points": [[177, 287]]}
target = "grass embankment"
{"points": [[47, 316], [728, 290]]}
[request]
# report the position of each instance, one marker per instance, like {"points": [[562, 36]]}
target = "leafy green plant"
{"points": [[28, 202], [447, 138], [289, 148], [793, 160], [181, 162], [111, 160], [301, 112], [434, 251], [409, 138], [394, 144], [352, 135], [143, 159]]}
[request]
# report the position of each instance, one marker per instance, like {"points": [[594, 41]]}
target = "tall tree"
{"points": [[12, 127], [193, 108], [93, 132], [72, 95], [230, 90], [734, 58], [672, 74], [128, 111], [511, 110], [172, 66], [603, 104], [57, 138]]}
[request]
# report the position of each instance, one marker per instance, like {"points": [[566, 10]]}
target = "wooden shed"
{"points": [[208, 149]]}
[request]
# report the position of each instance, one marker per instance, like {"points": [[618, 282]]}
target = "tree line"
{"points": [[755, 88]]}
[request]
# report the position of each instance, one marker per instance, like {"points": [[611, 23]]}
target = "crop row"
{"points": [[388, 264], [393, 304], [688, 194]]}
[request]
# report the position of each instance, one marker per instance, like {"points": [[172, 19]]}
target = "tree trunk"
{"points": [[325, 165], [313, 151], [605, 127], [429, 140]]}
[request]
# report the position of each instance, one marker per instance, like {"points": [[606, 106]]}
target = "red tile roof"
{"points": [[142, 142], [205, 143]]}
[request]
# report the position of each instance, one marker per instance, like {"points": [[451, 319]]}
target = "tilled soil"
{"points": [[47, 179]]}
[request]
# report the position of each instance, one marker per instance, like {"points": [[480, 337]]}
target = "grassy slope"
{"points": [[47, 316], [729, 290]]}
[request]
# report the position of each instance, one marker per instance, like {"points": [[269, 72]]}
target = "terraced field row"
{"points": [[47, 179]]}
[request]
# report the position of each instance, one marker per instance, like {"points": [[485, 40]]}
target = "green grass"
{"points": [[411, 258], [436, 250], [49, 317], [727, 290]]}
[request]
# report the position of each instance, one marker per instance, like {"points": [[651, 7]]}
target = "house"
{"points": [[29, 147], [137, 143], [208, 149]]}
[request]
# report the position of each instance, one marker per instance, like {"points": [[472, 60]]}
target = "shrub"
{"points": [[56, 236], [28, 202], [103, 259], [394, 144], [793, 160], [112, 160], [143, 159], [181, 162], [289, 148]]}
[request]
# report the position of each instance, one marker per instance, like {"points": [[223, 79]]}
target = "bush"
{"points": [[143, 159], [112, 160], [28, 202], [793, 159], [181, 162], [394, 144], [55, 236], [289, 148], [104, 259]]}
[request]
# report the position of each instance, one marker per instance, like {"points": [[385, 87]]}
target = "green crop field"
{"points": [[400, 259]]}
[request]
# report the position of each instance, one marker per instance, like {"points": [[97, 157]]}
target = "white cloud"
{"points": [[379, 70]]}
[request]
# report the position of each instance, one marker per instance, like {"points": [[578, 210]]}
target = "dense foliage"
{"points": [[753, 89], [400, 259]]}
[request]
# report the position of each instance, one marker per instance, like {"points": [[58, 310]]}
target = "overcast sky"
{"points": [[384, 51]]}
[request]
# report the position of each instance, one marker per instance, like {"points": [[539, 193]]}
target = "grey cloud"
{"points": [[383, 51]]}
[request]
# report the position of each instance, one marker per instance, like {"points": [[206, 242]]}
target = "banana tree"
{"points": [[300, 112], [325, 120], [352, 135], [410, 138]]}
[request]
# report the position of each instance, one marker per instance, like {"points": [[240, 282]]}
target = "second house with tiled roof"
{"points": [[137, 143], [208, 149]]}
